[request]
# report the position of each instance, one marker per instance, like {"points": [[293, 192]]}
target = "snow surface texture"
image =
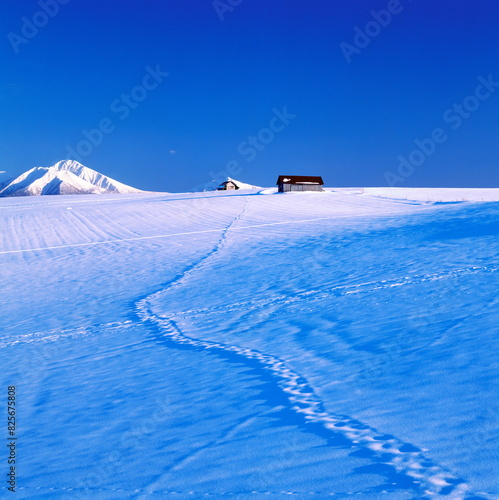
{"points": [[65, 177], [238, 345]]}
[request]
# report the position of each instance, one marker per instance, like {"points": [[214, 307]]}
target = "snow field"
{"points": [[246, 345]]}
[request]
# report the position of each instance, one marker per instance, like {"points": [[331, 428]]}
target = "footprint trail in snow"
{"points": [[395, 460]]}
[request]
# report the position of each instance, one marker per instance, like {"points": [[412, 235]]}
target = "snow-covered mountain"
{"points": [[65, 177]]}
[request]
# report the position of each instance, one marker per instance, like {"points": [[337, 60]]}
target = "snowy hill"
{"points": [[217, 185], [65, 177], [247, 345], [238, 184]]}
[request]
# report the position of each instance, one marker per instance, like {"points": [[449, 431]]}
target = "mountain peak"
{"points": [[65, 177], [67, 165]]}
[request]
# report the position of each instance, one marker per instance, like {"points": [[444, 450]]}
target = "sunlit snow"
{"points": [[248, 344]]}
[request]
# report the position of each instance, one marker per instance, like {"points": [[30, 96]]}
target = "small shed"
{"points": [[227, 185], [288, 183]]}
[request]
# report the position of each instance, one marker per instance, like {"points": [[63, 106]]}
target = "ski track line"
{"points": [[160, 236], [197, 494], [431, 480]]}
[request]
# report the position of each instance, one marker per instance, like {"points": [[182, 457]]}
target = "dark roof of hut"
{"points": [[299, 179]]}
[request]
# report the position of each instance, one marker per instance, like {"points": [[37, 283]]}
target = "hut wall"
{"points": [[284, 188]]}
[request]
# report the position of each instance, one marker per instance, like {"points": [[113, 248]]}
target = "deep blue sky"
{"points": [[352, 119]]}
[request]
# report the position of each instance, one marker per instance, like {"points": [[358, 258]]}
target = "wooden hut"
{"points": [[288, 183], [227, 185]]}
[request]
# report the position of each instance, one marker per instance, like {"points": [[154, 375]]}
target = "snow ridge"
{"points": [[400, 462]]}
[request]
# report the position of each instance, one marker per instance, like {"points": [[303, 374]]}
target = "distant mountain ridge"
{"points": [[65, 177]]}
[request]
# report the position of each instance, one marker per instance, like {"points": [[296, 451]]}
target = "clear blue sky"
{"points": [[353, 104]]}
